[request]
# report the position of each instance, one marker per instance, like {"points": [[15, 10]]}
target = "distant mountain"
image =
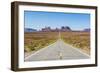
{"points": [[29, 30], [88, 29], [65, 28]]}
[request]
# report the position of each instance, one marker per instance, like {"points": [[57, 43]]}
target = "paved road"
{"points": [[57, 51]]}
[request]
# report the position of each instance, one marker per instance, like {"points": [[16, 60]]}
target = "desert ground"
{"points": [[34, 41]]}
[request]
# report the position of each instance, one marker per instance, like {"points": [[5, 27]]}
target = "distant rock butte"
{"points": [[30, 30]]}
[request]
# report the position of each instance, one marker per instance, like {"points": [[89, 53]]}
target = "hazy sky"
{"points": [[38, 20]]}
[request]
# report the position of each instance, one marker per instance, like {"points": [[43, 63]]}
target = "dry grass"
{"points": [[77, 39], [37, 40], [34, 41]]}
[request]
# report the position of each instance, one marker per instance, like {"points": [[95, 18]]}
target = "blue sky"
{"points": [[39, 19]]}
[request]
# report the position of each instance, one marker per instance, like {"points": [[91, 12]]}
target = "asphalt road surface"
{"points": [[57, 51]]}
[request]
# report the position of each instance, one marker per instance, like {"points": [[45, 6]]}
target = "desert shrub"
{"points": [[37, 40], [78, 39]]}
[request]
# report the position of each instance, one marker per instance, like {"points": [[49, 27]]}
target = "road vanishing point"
{"points": [[57, 51]]}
